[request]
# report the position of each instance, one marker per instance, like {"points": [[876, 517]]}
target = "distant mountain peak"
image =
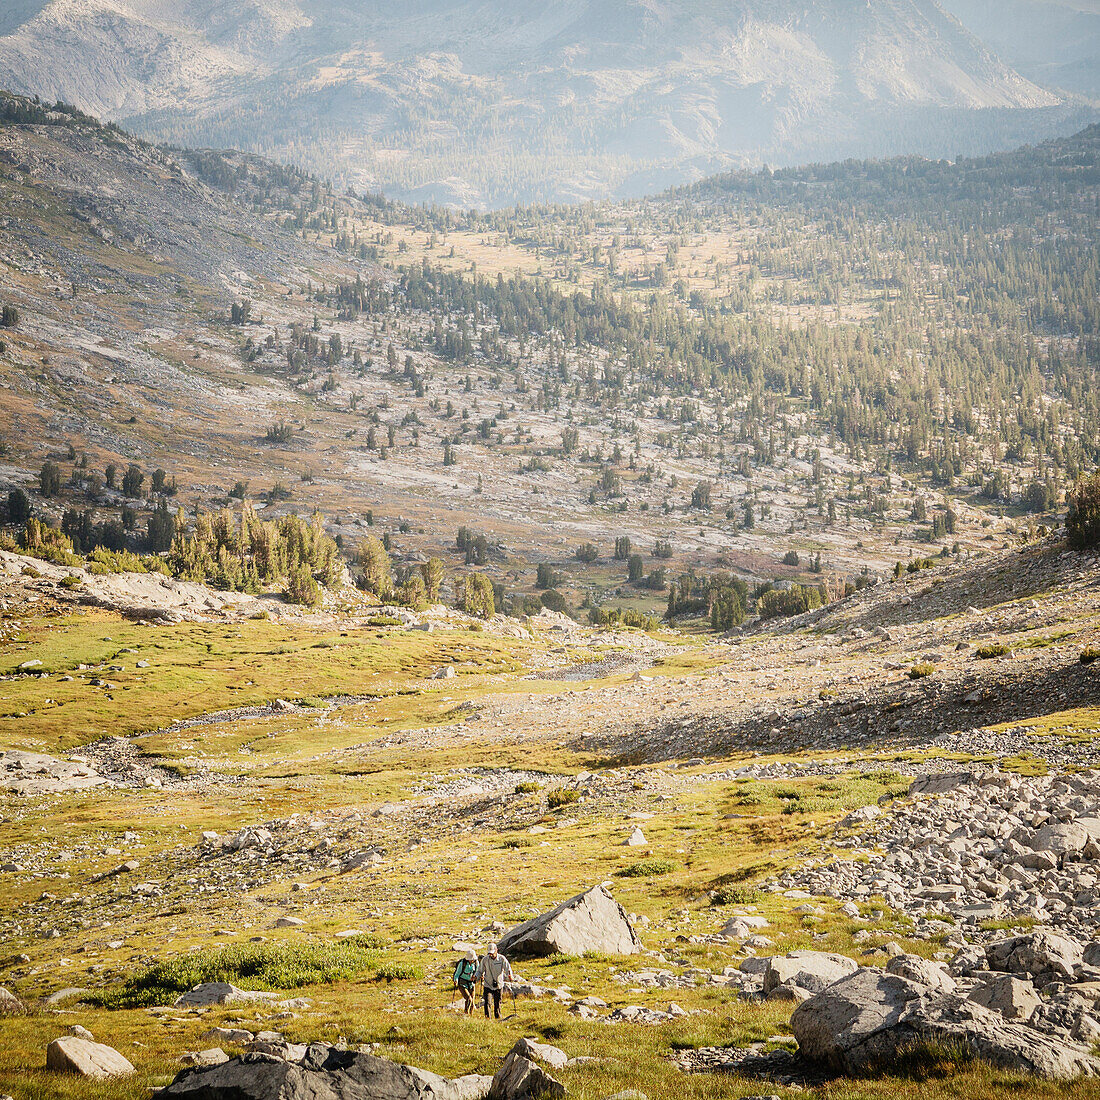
{"points": [[494, 101]]}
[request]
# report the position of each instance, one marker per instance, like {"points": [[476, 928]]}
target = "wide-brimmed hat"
{"points": [[471, 955]]}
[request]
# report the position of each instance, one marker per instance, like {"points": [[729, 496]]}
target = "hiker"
{"points": [[493, 971], [464, 978]]}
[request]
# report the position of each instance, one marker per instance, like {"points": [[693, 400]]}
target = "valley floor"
{"points": [[264, 785]]}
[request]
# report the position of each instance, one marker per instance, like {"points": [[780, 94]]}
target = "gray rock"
{"points": [[922, 972], [592, 921], [945, 781], [1072, 839], [1014, 998], [812, 970], [788, 993], [227, 1035], [541, 1052], [10, 1004], [215, 1056], [871, 1020], [66, 994], [323, 1073], [1037, 953], [221, 993], [70, 1054], [521, 1079]]}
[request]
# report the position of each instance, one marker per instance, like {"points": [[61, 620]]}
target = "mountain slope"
{"points": [[482, 102], [1056, 42]]}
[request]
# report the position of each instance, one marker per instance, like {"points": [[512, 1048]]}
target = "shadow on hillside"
{"points": [[906, 715]]}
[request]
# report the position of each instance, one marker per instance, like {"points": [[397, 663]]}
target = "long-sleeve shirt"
{"points": [[494, 972]]}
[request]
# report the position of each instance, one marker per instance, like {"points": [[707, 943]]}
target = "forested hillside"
{"points": [[815, 377]]}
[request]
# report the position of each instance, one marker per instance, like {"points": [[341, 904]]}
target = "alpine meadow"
{"points": [[550, 551]]}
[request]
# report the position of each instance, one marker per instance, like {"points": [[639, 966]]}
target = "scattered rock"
{"points": [[541, 1052], [228, 1035], [810, 970], [1014, 998], [1038, 953], [70, 1054], [922, 972], [221, 993], [519, 1078], [322, 1072], [213, 1057]]}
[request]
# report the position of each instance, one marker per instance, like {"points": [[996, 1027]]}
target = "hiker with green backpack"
{"points": [[464, 978]]}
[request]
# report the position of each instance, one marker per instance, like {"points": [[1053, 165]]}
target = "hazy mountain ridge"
{"points": [[488, 103], [1056, 42]]}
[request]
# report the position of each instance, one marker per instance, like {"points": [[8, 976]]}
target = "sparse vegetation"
{"points": [[269, 966], [555, 800], [647, 868]]}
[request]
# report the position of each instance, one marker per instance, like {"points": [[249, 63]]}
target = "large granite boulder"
{"points": [[1014, 998], [922, 972], [324, 1073], [1039, 953], [71, 1054], [592, 921], [809, 970], [1077, 839], [871, 1021]]}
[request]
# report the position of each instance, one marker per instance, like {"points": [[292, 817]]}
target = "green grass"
{"points": [[647, 868], [556, 799], [195, 668], [269, 966]]}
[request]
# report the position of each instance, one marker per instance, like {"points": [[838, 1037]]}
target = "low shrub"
{"points": [[518, 842], [398, 972], [730, 894], [267, 966], [1089, 654], [992, 649], [556, 799], [919, 672], [528, 786], [647, 868], [71, 581]]}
